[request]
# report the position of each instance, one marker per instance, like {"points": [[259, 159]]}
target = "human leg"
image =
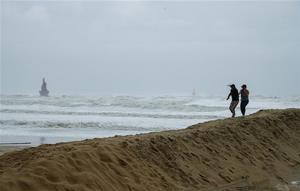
{"points": [[243, 106], [232, 107]]}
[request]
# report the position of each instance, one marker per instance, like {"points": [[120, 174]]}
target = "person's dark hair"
{"points": [[244, 86], [232, 86]]}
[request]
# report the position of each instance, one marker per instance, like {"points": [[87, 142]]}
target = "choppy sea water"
{"points": [[34, 119]]}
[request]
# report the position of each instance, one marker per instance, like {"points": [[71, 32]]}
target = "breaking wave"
{"points": [[158, 103], [97, 125], [111, 114]]}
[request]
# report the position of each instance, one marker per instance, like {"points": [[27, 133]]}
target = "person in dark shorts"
{"points": [[234, 93], [244, 98]]}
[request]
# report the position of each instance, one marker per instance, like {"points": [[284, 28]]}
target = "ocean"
{"points": [[44, 120]]}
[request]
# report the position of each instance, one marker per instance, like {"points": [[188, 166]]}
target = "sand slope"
{"points": [[260, 149]]}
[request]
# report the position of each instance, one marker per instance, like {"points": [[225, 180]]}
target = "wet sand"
{"points": [[10, 148], [257, 152]]}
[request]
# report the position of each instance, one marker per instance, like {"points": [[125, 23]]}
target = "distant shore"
{"points": [[258, 151]]}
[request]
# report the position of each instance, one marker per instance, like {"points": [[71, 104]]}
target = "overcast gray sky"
{"points": [[150, 47]]}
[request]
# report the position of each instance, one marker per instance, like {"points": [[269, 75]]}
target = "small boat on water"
{"points": [[44, 91]]}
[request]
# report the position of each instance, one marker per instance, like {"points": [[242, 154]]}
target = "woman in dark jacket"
{"points": [[234, 93]]}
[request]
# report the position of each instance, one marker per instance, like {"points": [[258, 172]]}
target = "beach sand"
{"points": [[9, 148], [257, 152]]}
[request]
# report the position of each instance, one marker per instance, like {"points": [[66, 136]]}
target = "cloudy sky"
{"points": [[150, 47]]}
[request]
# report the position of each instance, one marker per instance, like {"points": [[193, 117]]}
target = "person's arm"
{"points": [[229, 96], [247, 92]]}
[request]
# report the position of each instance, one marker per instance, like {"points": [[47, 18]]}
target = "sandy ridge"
{"points": [[260, 149]]}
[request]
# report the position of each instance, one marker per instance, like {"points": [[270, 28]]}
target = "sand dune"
{"points": [[260, 149]]}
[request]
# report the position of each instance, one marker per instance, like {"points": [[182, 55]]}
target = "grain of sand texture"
{"points": [[260, 149]]}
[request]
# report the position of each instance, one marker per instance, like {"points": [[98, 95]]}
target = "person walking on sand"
{"points": [[234, 93], [244, 98]]}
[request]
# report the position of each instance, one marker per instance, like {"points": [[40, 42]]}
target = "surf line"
{"points": [[25, 143]]}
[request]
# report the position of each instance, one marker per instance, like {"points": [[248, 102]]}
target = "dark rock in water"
{"points": [[44, 91]]}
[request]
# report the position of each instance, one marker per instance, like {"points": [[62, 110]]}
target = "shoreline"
{"points": [[11, 147], [259, 150]]}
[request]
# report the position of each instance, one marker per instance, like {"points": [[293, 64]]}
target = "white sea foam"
{"points": [[79, 117]]}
